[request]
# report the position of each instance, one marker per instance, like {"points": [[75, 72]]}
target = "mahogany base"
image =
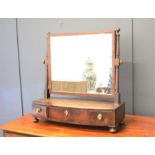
{"points": [[81, 112]]}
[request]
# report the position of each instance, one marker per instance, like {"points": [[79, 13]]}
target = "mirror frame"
{"points": [[114, 78]]}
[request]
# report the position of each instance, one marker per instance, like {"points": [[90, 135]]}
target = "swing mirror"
{"points": [[82, 64]]}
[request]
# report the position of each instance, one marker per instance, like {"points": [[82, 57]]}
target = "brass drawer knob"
{"points": [[66, 112], [38, 110], [99, 116]]}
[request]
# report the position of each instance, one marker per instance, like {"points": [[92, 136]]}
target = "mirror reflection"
{"points": [[81, 63]]}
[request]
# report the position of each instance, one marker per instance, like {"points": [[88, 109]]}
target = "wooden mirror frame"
{"points": [[115, 67]]}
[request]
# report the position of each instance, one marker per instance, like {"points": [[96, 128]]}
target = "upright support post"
{"points": [[46, 91], [117, 93]]}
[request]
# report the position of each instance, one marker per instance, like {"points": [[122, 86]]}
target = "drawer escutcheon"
{"points": [[99, 116], [66, 113]]}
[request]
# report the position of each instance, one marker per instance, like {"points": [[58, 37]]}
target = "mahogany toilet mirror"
{"points": [[84, 65]]}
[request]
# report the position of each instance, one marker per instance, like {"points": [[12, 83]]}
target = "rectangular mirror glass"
{"points": [[82, 64]]}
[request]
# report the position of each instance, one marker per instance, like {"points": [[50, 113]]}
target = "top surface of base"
{"points": [[73, 103]]}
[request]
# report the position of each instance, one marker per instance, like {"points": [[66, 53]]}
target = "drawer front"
{"points": [[40, 111], [81, 116]]}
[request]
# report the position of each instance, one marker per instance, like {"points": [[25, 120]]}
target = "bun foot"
{"points": [[113, 129], [122, 122], [35, 120]]}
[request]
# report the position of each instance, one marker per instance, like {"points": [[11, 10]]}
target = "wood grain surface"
{"points": [[136, 126], [77, 104]]}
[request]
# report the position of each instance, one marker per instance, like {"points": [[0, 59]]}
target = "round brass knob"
{"points": [[99, 116], [121, 61], [66, 112], [37, 110]]}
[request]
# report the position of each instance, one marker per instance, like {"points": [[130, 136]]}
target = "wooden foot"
{"points": [[122, 122], [113, 129], [35, 120]]}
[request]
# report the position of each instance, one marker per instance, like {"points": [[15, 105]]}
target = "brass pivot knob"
{"points": [[38, 110], [99, 116], [121, 61], [66, 112], [118, 61]]}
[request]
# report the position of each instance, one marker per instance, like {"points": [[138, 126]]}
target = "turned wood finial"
{"points": [[117, 30]]}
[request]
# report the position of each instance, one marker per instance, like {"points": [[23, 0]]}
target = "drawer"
{"points": [[80, 116]]}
